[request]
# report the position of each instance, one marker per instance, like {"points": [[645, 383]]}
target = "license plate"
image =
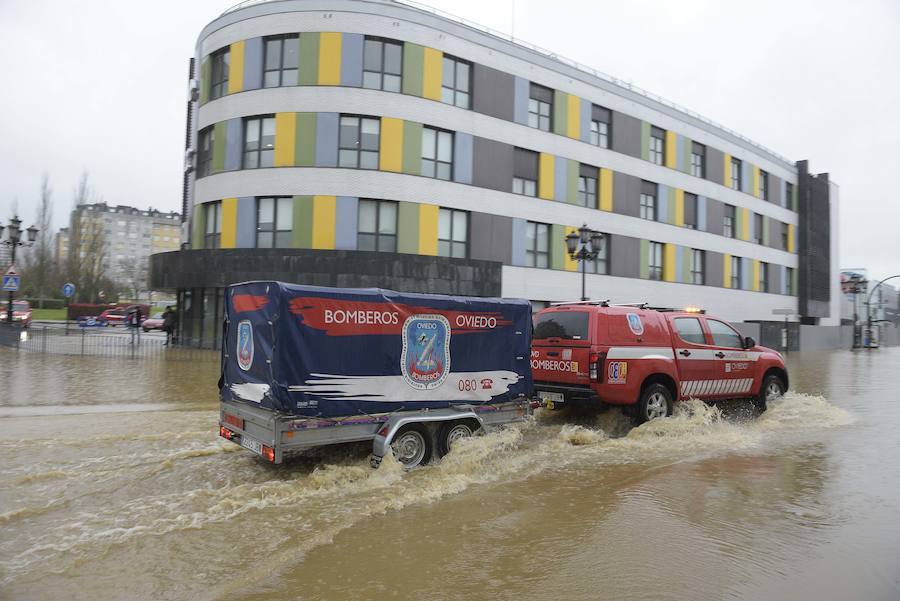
{"points": [[251, 445], [552, 398]]}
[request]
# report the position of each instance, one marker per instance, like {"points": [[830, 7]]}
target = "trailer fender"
{"points": [[381, 443]]}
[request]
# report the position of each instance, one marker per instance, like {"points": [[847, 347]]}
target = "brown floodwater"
{"points": [[114, 485]]}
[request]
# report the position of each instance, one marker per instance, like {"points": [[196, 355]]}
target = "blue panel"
{"points": [[352, 60], [783, 273], [520, 109], [326, 139], [233, 144], [701, 213], [560, 174], [246, 223], [585, 120], [520, 228], [346, 216], [462, 158], [253, 63], [746, 274], [752, 228], [662, 204], [679, 153], [679, 263]]}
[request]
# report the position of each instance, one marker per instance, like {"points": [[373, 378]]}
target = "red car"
{"points": [[154, 322], [21, 313], [116, 316], [645, 359]]}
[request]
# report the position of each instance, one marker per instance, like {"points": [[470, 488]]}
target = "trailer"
{"points": [[307, 366]]}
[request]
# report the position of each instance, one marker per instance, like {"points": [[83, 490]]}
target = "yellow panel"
{"points": [[391, 152], [285, 139], [755, 181], [434, 66], [428, 229], [726, 177], [791, 238], [671, 152], [573, 129], [745, 224], [324, 212], [679, 207], [755, 275], [545, 176], [726, 272], [669, 263], [229, 222], [330, 58], [606, 189], [569, 264], [236, 68]]}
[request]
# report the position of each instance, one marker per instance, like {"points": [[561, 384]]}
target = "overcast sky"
{"points": [[101, 86]]}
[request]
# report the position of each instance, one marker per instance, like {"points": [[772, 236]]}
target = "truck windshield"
{"points": [[572, 325]]}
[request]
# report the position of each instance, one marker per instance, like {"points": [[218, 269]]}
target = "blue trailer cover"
{"points": [[313, 351]]}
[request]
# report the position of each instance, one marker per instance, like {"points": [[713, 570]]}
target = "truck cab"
{"points": [[645, 359]]}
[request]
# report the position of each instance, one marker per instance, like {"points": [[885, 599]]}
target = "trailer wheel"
{"points": [[411, 446], [452, 432]]}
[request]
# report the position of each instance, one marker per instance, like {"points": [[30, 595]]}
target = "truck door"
{"points": [[734, 367], [696, 361]]}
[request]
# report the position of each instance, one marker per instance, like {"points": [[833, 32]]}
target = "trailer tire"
{"points": [[451, 432], [411, 446]]}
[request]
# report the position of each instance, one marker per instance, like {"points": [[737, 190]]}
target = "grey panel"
{"points": [[774, 276], [493, 92], [690, 209], [715, 265], [245, 234], [776, 189], [233, 144], [715, 165], [626, 134], [626, 194], [624, 256], [491, 237], [493, 163], [776, 229], [715, 215]]}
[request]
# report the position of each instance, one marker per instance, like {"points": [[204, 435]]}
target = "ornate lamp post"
{"points": [[13, 240], [583, 246]]}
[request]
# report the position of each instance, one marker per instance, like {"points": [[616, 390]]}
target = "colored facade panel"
{"points": [[229, 222], [233, 143], [413, 68], [765, 232], [794, 200], [686, 146], [560, 178], [494, 93], [557, 248], [220, 139], [560, 112], [726, 175], [743, 216], [303, 221], [330, 45], [569, 264], [746, 274], [245, 234], [253, 63], [428, 229], [671, 150], [433, 72], [670, 262], [391, 151], [545, 176], [408, 227], [326, 139], [285, 139], [236, 68], [679, 207], [307, 139], [309, 59], [726, 271], [662, 204], [746, 177], [645, 259], [412, 148], [352, 59], [585, 121], [324, 214], [755, 188], [519, 233], [645, 140], [572, 181], [205, 79], [346, 219], [462, 158], [791, 241], [755, 281], [520, 104], [198, 226], [606, 189], [701, 213], [573, 114]]}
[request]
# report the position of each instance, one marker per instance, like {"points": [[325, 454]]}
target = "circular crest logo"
{"points": [[425, 362], [635, 324], [245, 345]]}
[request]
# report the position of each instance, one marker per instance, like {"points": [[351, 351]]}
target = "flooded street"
{"points": [[114, 485]]}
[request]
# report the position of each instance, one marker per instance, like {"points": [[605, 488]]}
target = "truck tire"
{"points": [[450, 433], [411, 446], [655, 402], [772, 388]]}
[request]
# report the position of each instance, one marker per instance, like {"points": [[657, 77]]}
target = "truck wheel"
{"points": [[656, 402], [411, 446], [771, 389], [450, 433]]}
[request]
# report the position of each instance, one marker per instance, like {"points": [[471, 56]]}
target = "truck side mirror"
{"points": [[749, 342]]}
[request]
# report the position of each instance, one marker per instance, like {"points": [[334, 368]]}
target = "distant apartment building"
{"points": [[61, 246]]}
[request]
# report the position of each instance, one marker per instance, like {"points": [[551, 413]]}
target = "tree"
{"points": [[88, 258], [42, 267], [135, 271]]}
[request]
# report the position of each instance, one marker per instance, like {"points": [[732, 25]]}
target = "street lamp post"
{"points": [[584, 245], [14, 240]]}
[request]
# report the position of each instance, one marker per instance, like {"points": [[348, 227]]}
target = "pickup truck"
{"points": [[307, 366], [644, 359]]}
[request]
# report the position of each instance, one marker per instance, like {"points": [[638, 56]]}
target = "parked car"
{"points": [[645, 359], [116, 316], [21, 313], [154, 322]]}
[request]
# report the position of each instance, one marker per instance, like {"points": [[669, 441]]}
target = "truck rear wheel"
{"points": [[411, 446], [452, 432], [655, 402]]}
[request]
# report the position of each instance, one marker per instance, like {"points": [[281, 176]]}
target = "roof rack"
{"points": [[602, 303], [677, 309]]}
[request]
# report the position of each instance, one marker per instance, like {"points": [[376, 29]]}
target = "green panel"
{"points": [[303, 221], [309, 59], [572, 181], [794, 281], [220, 136], [686, 154], [413, 68], [198, 226], [738, 223], [687, 261], [560, 109], [205, 79], [412, 147], [408, 228], [645, 258], [765, 232], [645, 140], [557, 247], [794, 197], [305, 141]]}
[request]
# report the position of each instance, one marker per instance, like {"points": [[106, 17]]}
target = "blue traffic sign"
{"points": [[10, 283], [68, 290]]}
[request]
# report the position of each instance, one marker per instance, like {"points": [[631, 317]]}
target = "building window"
{"points": [[219, 76], [763, 277], [690, 210], [213, 233], [763, 185], [655, 261], [382, 65], [735, 174], [784, 236], [453, 233], [587, 187], [456, 82], [358, 142], [657, 146], [648, 201], [437, 153], [736, 273], [601, 119], [274, 222], [540, 107], [600, 265], [757, 228], [698, 261], [525, 172], [698, 159], [537, 244], [377, 228], [789, 281], [281, 60], [789, 195], [728, 222], [259, 142], [204, 151]]}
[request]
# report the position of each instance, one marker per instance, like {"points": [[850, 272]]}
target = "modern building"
{"points": [[61, 246], [375, 143]]}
